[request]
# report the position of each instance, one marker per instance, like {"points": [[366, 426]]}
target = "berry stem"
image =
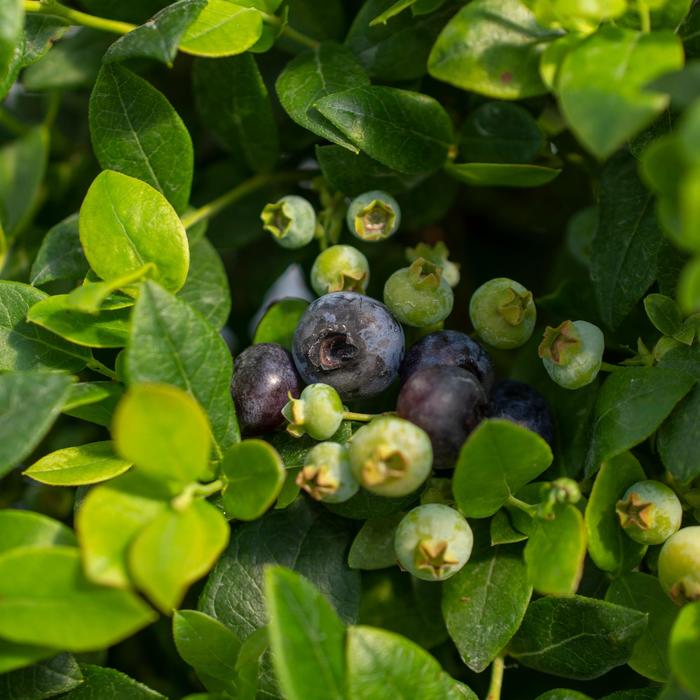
{"points": [[52, 7], [256, 182], [607, 367], [497, 668], [97, 366], [290, 32], [195, 490], [362, 417], [644, 16], [521, 505]]}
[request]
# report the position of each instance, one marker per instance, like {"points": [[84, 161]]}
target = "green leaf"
{"points": [[382, 665], [11, 24], [609, 547], [502, 175], [373, 546], [29, 404], [93, 401], [205, 644], [60, 256], [627, 242], [631, 405], [253, 475], [684, 645], [159, 37], [46, 599], [602, 83], [309, 77], [222, 29], [14, 656], [164, 432], [233, 103], [576, 637], [664, 313], [644, 593], [109, 684], [280, 321], [75, 466], [491, 47], [555, 552], [136, 131], [171, 343], [109, 519], [306, 637], [24, 528], [689, 287], [125, 224], [43, 680], [415, 140], [502, 530], [484, 603], [497, 459], [678, 438], [563, 694], [174, 550]]}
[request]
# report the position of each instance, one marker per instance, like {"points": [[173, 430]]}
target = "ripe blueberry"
{"points": [[521, 403]]}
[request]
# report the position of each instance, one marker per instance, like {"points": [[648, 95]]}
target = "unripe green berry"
{"points": [[326, 474], [291, 220], [374, 216], [438, 255], [572, 353], [318, 411], [503, 313], [390, 456], [649, 512], [433, 542], [418, 295], [340, 268], [679, 565]]}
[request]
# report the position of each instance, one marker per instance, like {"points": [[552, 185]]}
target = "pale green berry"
{"points": [[326, 475], [679, 565], [374, 216], [649, 512], [291, 220], [437, 254], [318, 411], [340, 268]]}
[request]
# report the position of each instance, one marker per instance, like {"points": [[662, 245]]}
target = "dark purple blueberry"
{"points": [[263, 376], [448, 403], [522, 404], [450, 348], [351, 342]]}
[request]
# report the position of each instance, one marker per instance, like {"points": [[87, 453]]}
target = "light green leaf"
{"points": [[60, 256], [280, 321], [24, 528], [502, 175], [76, 466], [11, 24], [125, 224], [684, 646], [14, 655], [109, 684]]}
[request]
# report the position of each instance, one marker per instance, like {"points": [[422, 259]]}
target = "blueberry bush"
{"points": [[349, 349]]}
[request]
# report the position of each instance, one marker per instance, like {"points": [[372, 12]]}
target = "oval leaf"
{"points": [[502, 175]]}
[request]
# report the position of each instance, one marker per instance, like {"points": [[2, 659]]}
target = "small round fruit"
{"points": [[326, 475], [503, 313], [433, 542], [340, 268], [374, 216], [446, 402], [449, 348], [318, 412], [418, 295], [679, 565], [351, 342], [291, 220], [572, 353], [390, 456], [522, 404], [264, 376], [649, 512]]}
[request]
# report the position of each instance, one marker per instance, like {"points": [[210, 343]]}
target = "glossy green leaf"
{"points": [[158, 38], [497, 459], [684, 646], [171, 343], [373, 546], [502, 530], [576, 637], [93, 401], [11, 23], [60, 256], [75, 466], [417, 138], [205, 644], [222, 29], [329, 69], [253, 475], [24, 528], [678, 437], [174, 550], [91, 297], [29, 404], [136, 131], [602, 84], [280, 321], [306, 637], [164, 431], [664, 313], [502, 175], [609, 547], [484, 603], [46, 679], [555, 552], [631, 405], [491, 47], [109, 684], [45, 599], [644, 593], [234, 104]]}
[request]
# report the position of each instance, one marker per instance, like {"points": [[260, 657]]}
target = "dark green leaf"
{"points": [[100, 683], [280, 321], [24, 528], [502, 175], [563, 694], [93, 401], [373, 546], [40, 33], [664, 313], [60, 256], [502, 530], [678, 438], [43, 680], [683, 86]]}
